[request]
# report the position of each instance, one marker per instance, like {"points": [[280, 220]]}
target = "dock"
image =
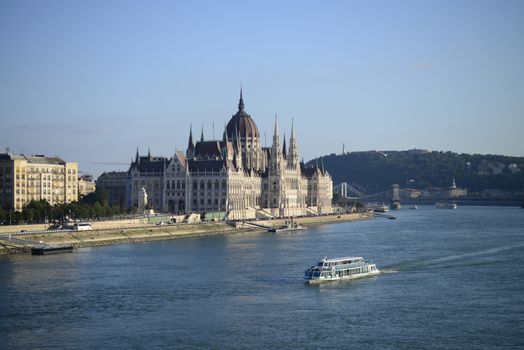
{"points": [[47, 249], [36, 248]]}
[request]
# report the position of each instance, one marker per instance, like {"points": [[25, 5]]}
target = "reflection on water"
{"points": [[247, 291]]}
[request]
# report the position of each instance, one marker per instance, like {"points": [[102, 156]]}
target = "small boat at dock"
{"points": [[288, 226]]}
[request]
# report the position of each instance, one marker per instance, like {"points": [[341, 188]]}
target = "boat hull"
{"points": [[286, 229], [343, 278]]}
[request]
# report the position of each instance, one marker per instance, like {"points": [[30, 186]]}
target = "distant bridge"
{"points": [[350, 192]]}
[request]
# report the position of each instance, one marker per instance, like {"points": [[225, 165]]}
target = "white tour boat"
{"points": [[444, 205], [339, 269], [380, 208]]}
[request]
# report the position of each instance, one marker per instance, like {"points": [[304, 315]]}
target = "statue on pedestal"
{"points": [[143, 206], [142, 200]]}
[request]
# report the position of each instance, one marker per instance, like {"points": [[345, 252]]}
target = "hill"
{"points": [[375, 171]]}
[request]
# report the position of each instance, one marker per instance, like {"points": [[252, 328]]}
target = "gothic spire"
{"points": [[202, 134], [276, 150], [276, 136], [252, 163], [190, 144], [293, 148], [148, 152], [137, 157], [292, 129], [284, 151]]}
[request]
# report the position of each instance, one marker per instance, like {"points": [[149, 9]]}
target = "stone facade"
{"points": [[235, 175], [86, 185], [26, 178], [116, 185]]}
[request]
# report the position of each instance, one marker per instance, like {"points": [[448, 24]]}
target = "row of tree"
{"points": [[92, 206]]}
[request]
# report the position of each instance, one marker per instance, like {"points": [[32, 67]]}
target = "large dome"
{"points": [[242, 123]]}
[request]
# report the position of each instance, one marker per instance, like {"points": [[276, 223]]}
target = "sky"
{"points": [[90, 81]]}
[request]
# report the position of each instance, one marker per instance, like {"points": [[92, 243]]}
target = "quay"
{"points": [[51, 249], [118, 233]]}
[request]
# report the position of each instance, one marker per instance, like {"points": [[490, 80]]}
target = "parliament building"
{"points": [[235, 176]]}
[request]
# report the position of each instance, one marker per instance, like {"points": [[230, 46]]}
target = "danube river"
{"points": [[453, 279]]}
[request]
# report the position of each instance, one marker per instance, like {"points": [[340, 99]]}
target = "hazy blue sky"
{"points": [[92, 80]]}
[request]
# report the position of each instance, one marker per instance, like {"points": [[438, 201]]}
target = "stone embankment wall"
{"points": [[317, 220], [127, 235], [18, 228], [130, 231], [97, 225]]}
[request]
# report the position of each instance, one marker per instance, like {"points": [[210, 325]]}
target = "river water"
{"points": [[453, 279]]}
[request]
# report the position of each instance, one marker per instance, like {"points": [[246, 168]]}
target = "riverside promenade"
{"points": [[115, 232]]}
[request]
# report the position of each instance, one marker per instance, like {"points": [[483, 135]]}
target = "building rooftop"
{"points": [[34, 159]]}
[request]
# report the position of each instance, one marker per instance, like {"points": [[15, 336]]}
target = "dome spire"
{"points": [[241, 101]]}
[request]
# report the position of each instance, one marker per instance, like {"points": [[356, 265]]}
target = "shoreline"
{"points": [[127, 235]]}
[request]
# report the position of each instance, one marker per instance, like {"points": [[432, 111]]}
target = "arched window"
{"points": [[183, 184], [178, 185], [201, 184], [216, 185], [224, 185], [209, 184], [194, 185]]}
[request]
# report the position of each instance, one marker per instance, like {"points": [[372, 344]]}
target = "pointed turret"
{"points": [[276, 136], [275, 131], [148, 152], [190, 145], [276, 150], [252, 161], [293, 158], [202, 134], [237, 153], [284, 150], [137, 157]]}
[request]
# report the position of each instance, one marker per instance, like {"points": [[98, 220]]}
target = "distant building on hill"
{"points": [[454, 191], [450, 192], [418, 151], [27, 178]]}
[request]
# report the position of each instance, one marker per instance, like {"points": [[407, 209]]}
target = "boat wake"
{"points": [[437, 262]]}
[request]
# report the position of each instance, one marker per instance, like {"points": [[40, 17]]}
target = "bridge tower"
{"points": [[395, 197]]}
